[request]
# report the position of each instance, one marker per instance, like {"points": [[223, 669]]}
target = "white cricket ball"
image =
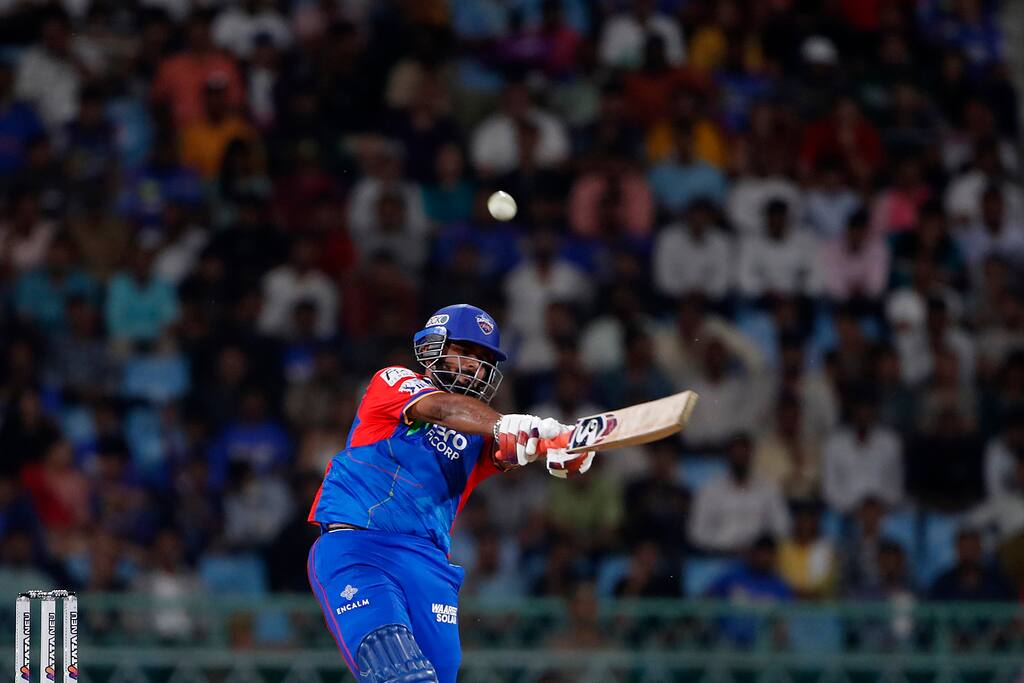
{"points": [[502, 206]]}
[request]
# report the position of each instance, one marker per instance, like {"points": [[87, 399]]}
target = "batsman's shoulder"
{"points": [[394, 374], [397, 381]]}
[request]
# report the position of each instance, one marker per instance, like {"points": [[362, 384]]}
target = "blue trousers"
{"points": [[367, 579]]}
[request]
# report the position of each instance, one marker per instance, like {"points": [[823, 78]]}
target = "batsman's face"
{"points": [[469, 363]]}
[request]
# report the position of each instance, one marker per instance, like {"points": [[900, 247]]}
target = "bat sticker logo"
{"points": [[591, 431]]}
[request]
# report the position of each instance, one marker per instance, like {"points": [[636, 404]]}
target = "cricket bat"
{"points": [[642, 423]]}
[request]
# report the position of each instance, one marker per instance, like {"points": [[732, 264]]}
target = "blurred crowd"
{"points": [[219, 218]]}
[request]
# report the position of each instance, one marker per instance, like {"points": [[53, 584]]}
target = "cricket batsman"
{"points": [[419, 445]]}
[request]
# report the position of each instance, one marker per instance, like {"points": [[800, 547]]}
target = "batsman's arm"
{"points": [[515, 436], [455, 411]]}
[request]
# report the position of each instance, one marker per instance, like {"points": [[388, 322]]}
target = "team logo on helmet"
{"points": [[593, 430], [486, 326]]}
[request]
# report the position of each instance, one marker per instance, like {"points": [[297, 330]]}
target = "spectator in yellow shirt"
{"points": [[711, 41], [685, 113], [808, 560], [203, 143]]}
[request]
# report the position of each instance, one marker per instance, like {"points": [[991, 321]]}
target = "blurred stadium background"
{"points": [[220, 217]]}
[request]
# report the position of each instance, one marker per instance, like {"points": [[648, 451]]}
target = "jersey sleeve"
{"points": [[391, 393]]}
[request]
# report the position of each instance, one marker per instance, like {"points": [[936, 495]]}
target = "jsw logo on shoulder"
{"points": [[446, 442]]}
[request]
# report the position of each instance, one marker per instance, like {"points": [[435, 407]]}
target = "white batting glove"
{"points": [[560, 462], [549, 428], [516, 437], [568, 465]]}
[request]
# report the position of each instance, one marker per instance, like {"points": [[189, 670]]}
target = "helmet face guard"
{"points": [[455, 373]]}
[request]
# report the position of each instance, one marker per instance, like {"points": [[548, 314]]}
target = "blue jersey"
{"points": [[400, 476]]}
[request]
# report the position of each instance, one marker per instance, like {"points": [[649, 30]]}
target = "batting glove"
{"points": [[517, 436], [560, 462]]}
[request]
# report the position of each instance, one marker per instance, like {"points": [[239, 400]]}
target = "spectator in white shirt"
{"points": [[1001, 336], [256, 507], [680, 344], [602, 342], [24, 236], [944, 333], [494, 147], [732, 511], [856, 264], [625, 34], [995, 233], [1001, 454], [167, 576], [729, 400], [394, 231], [964, 193], [181, 243], [261, 79], [1002, 514], [50, 74], [750, 195], [782, 261], [829, 205], [383, 167], [862, 459], [540, 280], [236, 27], [299, 280], [696, 256]]}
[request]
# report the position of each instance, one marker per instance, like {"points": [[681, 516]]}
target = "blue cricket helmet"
{"points": [[464, 323]]}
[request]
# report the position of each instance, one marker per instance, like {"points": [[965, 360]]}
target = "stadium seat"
{"points": [[78, 426], [901, 526], [696, 471], [832, 525], [609, 573], [145, 442], [938, 550], [700, 572], [814, 633], [155, 378], [234, 574], [246, 575]]}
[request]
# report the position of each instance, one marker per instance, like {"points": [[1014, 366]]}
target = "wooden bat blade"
{"points": [[642, 423]]}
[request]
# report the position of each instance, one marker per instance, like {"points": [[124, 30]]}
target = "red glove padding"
{"points": [[516, 438], [560, 463]]}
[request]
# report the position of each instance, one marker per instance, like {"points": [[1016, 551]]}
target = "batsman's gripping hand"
{"points": [[516, 438], [562, 464]]}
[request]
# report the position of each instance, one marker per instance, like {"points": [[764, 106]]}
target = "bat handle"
{"points": [[560, 441]]}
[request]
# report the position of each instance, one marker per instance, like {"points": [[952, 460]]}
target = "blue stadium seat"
{"points": [[155, 378], [609, 572], [142, 433], [832, 525], [815, 633], [901, 526], [246, 575], [938, 549], [77, 424], [234, 574], [696, 471], [700, 572]]}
